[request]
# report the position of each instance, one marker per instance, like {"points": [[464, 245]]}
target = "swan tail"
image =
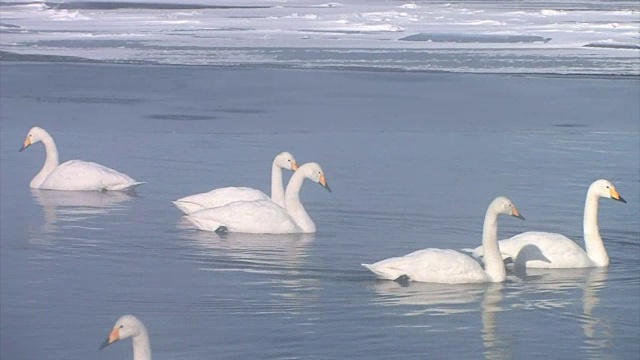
{"points": [[478, 254], [206, 225], [124, 187], [472, 252], [187, 207], [384, 273]]}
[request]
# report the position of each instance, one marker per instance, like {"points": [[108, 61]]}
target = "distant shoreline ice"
{"points": [[570, 37]]}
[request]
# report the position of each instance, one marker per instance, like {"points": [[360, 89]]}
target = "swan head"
{"points": [[33, 136], [285, 160], [314, 172], [604, 188], [127, 326], [503, 205]]}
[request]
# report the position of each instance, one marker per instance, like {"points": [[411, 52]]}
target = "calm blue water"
{"points": [[413, 161]]}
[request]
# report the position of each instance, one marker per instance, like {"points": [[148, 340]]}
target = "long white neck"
{"points": [[277, 189], [141, 347], [294, 206], [493, 263], [592, 240], [50, 162]]}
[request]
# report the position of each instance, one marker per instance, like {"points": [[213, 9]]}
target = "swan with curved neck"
{"points": [[128, 326], [264, 216], [72, 175], [535, 249], [449, 266], [224, 196]]}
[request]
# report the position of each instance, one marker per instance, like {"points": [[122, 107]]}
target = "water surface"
{"points": [[413, 161]]}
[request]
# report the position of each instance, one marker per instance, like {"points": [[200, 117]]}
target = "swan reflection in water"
{"points": [[280, 259], [431, 299], [495, 346], [68, 209], [559, 286], [528, 290]]}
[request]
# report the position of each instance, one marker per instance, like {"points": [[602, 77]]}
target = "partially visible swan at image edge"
{"points": [[450, 266], [223, 196], [128, 326], [73, 175], [536, 249], [264, 216]]}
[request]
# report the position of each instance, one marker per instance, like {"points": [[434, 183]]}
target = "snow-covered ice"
{"points": [[571, 37]]}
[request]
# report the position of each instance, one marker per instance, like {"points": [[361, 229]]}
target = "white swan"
{"points": [[129, 326], [550, 250], [264, 216], [449, 266], [74, 174], [223, 196]]}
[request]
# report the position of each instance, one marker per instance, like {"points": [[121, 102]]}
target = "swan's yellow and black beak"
{"points": [[294, 166], [26, 144], [615, 196], [114, 336], [323, 182], [515, 213]]}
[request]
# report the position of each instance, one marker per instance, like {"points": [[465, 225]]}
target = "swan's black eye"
{"points": [[121, 326], [29, 135], [607, 186]]}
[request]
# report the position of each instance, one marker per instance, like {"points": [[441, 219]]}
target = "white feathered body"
{"points": [[431, 265], [78, 175], [544, 250], [258, 217], [218, 197]]}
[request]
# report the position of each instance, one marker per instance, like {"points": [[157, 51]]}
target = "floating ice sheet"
{"points": [[475, 38]]}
